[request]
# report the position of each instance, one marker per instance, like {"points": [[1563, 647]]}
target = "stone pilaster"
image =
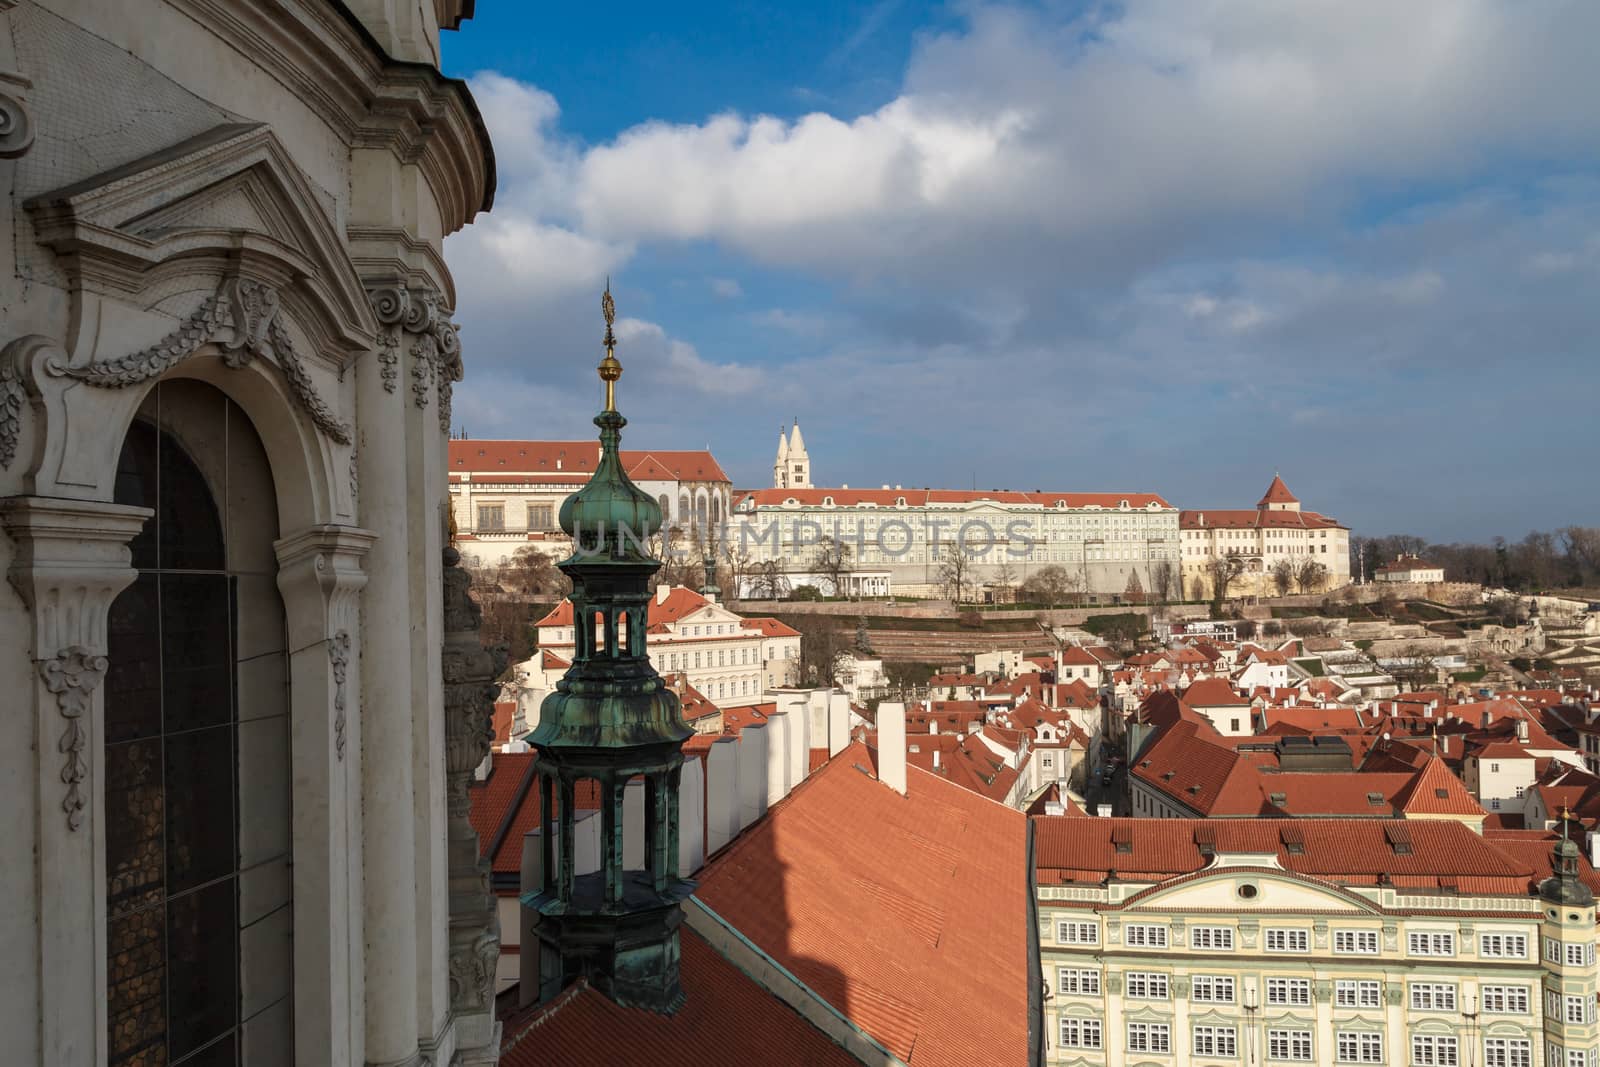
{"points": [[321, 574], [70, 561], [470, 672]]}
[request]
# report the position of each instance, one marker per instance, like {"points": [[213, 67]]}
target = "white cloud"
{"points": [[668, 361], [726, 288]]}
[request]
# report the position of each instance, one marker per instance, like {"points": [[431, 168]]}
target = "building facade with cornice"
{"points": [[1276, 531], [1100, 539], [1360, 941], [246, 687], [507, 494]]}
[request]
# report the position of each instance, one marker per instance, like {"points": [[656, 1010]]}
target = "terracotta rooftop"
{"points": [[505, 806], [575, 461], [1213, 693], [1407, 853], [725, 1018], [907, 913], [916, 498], [1277, 493]]}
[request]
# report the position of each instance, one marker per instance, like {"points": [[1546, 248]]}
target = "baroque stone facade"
{"points": [[223, 537]]}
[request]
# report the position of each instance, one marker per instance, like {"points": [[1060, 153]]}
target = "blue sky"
{"points": [[1167, 245]]}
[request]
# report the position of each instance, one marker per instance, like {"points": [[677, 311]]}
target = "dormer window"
{"points": [[827, 501]]}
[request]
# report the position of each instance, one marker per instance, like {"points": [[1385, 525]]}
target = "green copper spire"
{"points": [[610, 720]]}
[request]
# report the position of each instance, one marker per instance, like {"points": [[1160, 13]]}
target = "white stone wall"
{"points": [[255, 202]]}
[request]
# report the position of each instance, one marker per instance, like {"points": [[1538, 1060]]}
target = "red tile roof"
{"points": [[1347, 851], [917, 498], [900, 911], [1277, 493], [1532, 847], [1213, 693], [1437, 791], [725, 1018], [504, 712], [579, 458], [680, 602], [771, 627], [505, 806], [1260, 519]]}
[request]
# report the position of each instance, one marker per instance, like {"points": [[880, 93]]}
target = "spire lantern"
{"points": [[610, 720]]}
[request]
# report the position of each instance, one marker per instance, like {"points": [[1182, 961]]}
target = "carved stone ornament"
{"points": [[339, 657], [16, 127], [472, 974], [72, 675], [430, 339], [242, 316]]}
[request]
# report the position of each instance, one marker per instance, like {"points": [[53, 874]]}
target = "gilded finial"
{"points": [[610, 369]]}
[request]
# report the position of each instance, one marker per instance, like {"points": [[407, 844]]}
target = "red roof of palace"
{"points": [[577, 461], [1442, 853], [726, 1018], [900, 911], [681, 601], [917, 498], [1277, 493]]}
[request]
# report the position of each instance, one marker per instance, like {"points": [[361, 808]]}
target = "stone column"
{"points": [[470, 671], [71, 560], [389, 866], [320, 574]]}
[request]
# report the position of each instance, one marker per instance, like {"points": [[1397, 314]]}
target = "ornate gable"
{"points": [[227, 201]]}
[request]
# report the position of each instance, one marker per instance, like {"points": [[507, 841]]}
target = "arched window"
{"points": [[683, 506], [666, 506], [198, 912]]}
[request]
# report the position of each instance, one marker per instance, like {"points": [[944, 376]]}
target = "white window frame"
{"points": [[1507, 1052], [1503, 946], [1074, 932], [1435, 1050], [1286, 939], [1288, 991], [1084, 1033], [1509, 999], [1145, 935], [1078, 981], [1430, 943], [1432, 996], [1357, 993], [1220, 988], [1147, 985], [1150, 1037], [1358, 1046], [1211, 938], [1290, 1046], [1355, 942], [1215, 1042]]}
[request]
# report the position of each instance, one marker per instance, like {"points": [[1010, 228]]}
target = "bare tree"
{"points": [[1223, 570], [1005, 575], [955, 573], [1166, 584], [736, 563], [677, 551], [767, 580], [832, 561], [1413, 667], [1310, 576], [532, 574], [1050, 585], [1283, 576], [821, 641]]}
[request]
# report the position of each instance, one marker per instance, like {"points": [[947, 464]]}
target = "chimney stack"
{"points": [[892, 746], [662, 592], [1522, 731]]}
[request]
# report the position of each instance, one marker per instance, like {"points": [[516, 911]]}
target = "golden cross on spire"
{"points": [[610, 369]]}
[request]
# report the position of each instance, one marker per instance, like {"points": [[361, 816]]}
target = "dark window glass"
{"points": [[172, 849]]}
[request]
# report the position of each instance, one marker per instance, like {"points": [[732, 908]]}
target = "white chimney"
{"points": [[892, 746], [935, 759], [1522, 730], [662, 592], [933, 726]]}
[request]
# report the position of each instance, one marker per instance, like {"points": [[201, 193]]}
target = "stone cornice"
{"points": [[323, 54]]}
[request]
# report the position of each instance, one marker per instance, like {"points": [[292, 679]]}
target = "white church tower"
{"points": [[792, 468], [780, 466]]}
